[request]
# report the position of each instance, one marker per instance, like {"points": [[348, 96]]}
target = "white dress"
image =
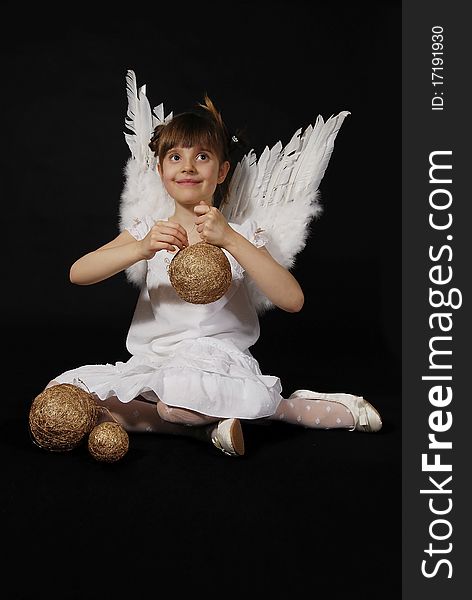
{"points": [[193, 356]]}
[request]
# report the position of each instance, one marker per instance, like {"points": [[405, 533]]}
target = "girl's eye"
{"points": [[203, 156], [174, 157]]}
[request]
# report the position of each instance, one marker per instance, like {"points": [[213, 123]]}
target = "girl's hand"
{"points": [[163, 235], [212, 226]]}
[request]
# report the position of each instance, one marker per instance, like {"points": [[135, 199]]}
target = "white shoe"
{"points": [[227, 436], [366, 418]]}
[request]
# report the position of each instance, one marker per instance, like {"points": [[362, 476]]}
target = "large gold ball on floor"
{"points": [[200, 273], [61, 416], [108, 442]]}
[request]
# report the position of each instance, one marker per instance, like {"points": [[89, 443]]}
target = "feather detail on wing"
{"points": [[143, 192], [280, 192]]}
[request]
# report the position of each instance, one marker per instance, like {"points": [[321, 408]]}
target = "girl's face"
{"points": [[192, 174]]}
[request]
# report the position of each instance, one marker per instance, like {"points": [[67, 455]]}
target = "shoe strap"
{"points": [[216, 442], [363, 416]]}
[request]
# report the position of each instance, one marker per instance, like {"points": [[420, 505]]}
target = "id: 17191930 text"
{"points": [[437, 67]]}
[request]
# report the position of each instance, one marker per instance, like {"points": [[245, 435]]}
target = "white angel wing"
{"points": [[143, 192], [280, 192]]}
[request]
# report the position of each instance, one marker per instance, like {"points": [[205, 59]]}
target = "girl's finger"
{"points": [[201, 209], [201, 219], [172, 239], [178, 232], [177, 227]]}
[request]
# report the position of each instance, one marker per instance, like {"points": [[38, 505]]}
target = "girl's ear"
{"points": [[223, 171]]}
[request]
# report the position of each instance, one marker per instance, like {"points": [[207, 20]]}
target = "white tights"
{"points": [[144, 415], [315, 414], [141, 415]]}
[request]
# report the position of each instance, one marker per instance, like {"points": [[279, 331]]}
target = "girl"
{"points": [[191, 371]]}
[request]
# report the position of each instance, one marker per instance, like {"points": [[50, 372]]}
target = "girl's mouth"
{"points": [[189, 182]]}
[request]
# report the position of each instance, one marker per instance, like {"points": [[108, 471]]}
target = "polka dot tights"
{"points": [[315, 414]]}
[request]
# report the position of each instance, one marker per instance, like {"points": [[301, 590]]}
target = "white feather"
{"points": [[274, 155], [138, 119], [261, 166], [240, 186], [282, 170]]}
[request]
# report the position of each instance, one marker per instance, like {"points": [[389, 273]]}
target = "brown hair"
{"points": [[203, 127]]}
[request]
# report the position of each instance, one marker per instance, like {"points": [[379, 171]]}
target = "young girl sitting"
{"points": [[191, 371]]}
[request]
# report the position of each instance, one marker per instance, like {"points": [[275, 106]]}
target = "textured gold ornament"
{"points": [[108, 442], [61, 416], [200, 273]]}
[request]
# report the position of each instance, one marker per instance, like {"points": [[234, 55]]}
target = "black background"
{"points": [[304, 511]]}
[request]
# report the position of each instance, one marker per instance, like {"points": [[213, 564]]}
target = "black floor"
{"points": [[304, 513]]}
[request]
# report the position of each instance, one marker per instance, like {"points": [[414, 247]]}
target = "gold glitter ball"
{"points": [[200, 273], [108, 442], [61, 416]]}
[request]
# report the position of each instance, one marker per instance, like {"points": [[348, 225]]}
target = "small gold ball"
{"points": [[200, 273], [108, 442]]}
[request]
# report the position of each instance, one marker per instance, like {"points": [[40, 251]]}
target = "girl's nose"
{"points": [[188, 167]]}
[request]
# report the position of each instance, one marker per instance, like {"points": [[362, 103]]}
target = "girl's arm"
{"points": [[274, 280], [124, 251]]}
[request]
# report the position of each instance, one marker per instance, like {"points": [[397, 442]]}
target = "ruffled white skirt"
{"points": [[205, 375]]}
